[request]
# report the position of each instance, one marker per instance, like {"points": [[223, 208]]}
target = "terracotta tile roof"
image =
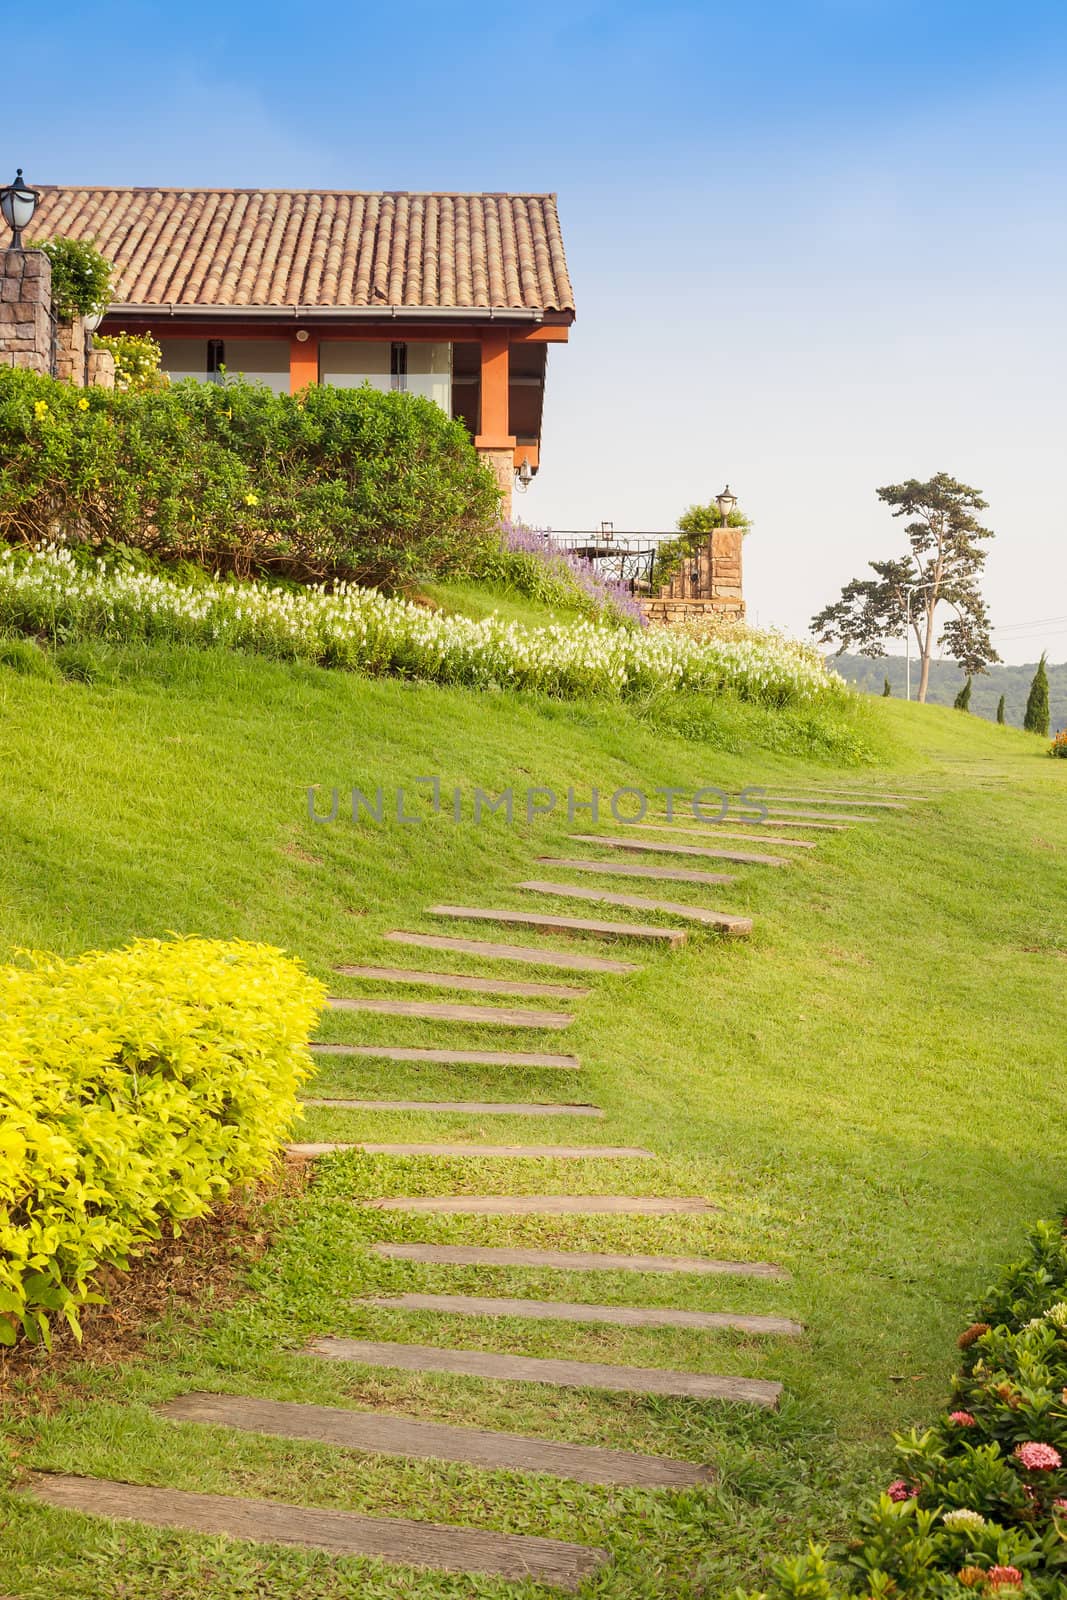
{"points": [[319, 248]]}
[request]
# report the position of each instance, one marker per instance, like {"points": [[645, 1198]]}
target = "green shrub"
{"points": [[1036, 717], [334, 483], [137, 361], [887, 689], [1058, 746], [26, 657], [1000, 711], [962, 701], [81, 278], [136, 1087]]}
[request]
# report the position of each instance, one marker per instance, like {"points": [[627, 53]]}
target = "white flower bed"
{"points": [[47, 593]]}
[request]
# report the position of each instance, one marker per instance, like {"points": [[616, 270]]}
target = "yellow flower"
{"points": [[40, 409], [83, 404], [251, 499]]}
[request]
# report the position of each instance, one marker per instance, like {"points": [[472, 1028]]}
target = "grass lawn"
{"points": [[868, 1088]]}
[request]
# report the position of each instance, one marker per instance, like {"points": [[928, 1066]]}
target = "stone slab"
{"points": [[563, 1374], [433, 1441], [468, 1255], [483, 1058], [341, 1533], [569, 961], [716, 830], [663, 848], [535, 919], [736, 927], [628, 869], [481, 1108], [441, 1011], [457, 980], [546, 1205], [480, 1305]]}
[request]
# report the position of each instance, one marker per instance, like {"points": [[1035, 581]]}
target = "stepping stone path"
{"points": [[714, 830], [533, 954], [434, 1441], [455, 980], [342, 1533], [493, 1016], [565, 1374], [499, 1108], [461, 1549], [467, 1255], [737, 927], [529, 919]]}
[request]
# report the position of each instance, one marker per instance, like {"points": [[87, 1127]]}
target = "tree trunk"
{"points": [[924, 677]]}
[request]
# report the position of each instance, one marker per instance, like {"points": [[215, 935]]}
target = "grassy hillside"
{"points": [[946, 681], [869, 1088]]}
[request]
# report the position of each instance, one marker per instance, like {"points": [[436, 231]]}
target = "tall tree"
{"points": [[1036, 717], [962, 701], [942, 567], [1000, 711]]}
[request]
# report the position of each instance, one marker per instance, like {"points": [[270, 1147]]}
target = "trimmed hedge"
{"points": [[137, 1087], [980, 1506], [332, 483]]}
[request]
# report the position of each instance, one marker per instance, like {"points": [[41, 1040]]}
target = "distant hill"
{"points": [[946, 681]]}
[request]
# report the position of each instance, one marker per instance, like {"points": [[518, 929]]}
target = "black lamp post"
{"points": [[18, 202], [725, 502]]}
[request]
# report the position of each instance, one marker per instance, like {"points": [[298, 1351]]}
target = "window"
{"points": [[216, 360], [398, 367]]}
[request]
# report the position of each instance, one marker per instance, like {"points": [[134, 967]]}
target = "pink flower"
{"points": [[1060, 1506], [962, 1419], [1038, 1457], [899, 1490], [1003, 1577]]}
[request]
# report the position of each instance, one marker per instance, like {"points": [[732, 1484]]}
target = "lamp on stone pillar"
{"points": [[18, 202], [725, 502]]}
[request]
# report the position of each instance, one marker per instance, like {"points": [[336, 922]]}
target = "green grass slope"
{"points": [[869, 1088]]}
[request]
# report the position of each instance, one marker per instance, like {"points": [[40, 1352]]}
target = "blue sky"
{"points": [[815, 247]]}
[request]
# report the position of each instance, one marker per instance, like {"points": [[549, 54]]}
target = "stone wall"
{"points": [[709, 581], [26, 310], [502, 463]]}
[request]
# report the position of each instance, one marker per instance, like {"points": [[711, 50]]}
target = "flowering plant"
{"points": [[1058, 747], [530, 562]]}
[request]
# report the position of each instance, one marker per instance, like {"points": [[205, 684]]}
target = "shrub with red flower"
{"points": [[962, 1419], [1038, 1457]]}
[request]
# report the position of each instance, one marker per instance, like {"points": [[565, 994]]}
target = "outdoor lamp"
{"points": [[725, 502], [524, 475], [18, 202]]}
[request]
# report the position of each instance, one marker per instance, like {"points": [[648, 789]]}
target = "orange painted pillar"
{"points": [[303, 362], [495, 433]]}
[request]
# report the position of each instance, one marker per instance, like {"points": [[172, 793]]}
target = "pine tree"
{"points": [[1036, 718], [886, 690], [1000, 710], [962, 701]]}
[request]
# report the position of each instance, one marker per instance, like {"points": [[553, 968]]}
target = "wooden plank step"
{"points": [[480, 1305], [563, 1374], [457, 980], [481, 1058], [533, 955], [433, 1441], [681, 849], [494, 1016], [498, 1108], [614, 1152], [546, 1205], [715, 830], [471, 1255], [535, 919], [736, 927], [628, 869], [341, 1533]]}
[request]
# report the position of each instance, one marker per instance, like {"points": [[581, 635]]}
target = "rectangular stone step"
{"points": [[480, 1058], [614, 1152], [775, 821], [534, 919], [480, 1305], [441, 1011], [341, 1533], [736, 927], [434, 1441], [835, 800], [456, 980], [716, 830], [472, 1255], [563, 1374], [627, 869], [815, 819], [482, 1108], [680, 849], [546, 1205], [531, 954]]}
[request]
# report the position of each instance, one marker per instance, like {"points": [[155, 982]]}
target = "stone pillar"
{"points": [[70, 352], [25, 310], [726, 587], [101, 369], [502, 463], [495, 443]]}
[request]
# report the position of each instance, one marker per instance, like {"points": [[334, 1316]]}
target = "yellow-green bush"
{"points": [[136, 1087]]}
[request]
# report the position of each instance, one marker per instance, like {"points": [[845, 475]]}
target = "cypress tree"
{"points": [[1036, 718], [1000, 710], [886, 690], [962, 701]]}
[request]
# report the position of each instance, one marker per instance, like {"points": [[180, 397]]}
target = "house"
{"points": [[453, 296]]}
